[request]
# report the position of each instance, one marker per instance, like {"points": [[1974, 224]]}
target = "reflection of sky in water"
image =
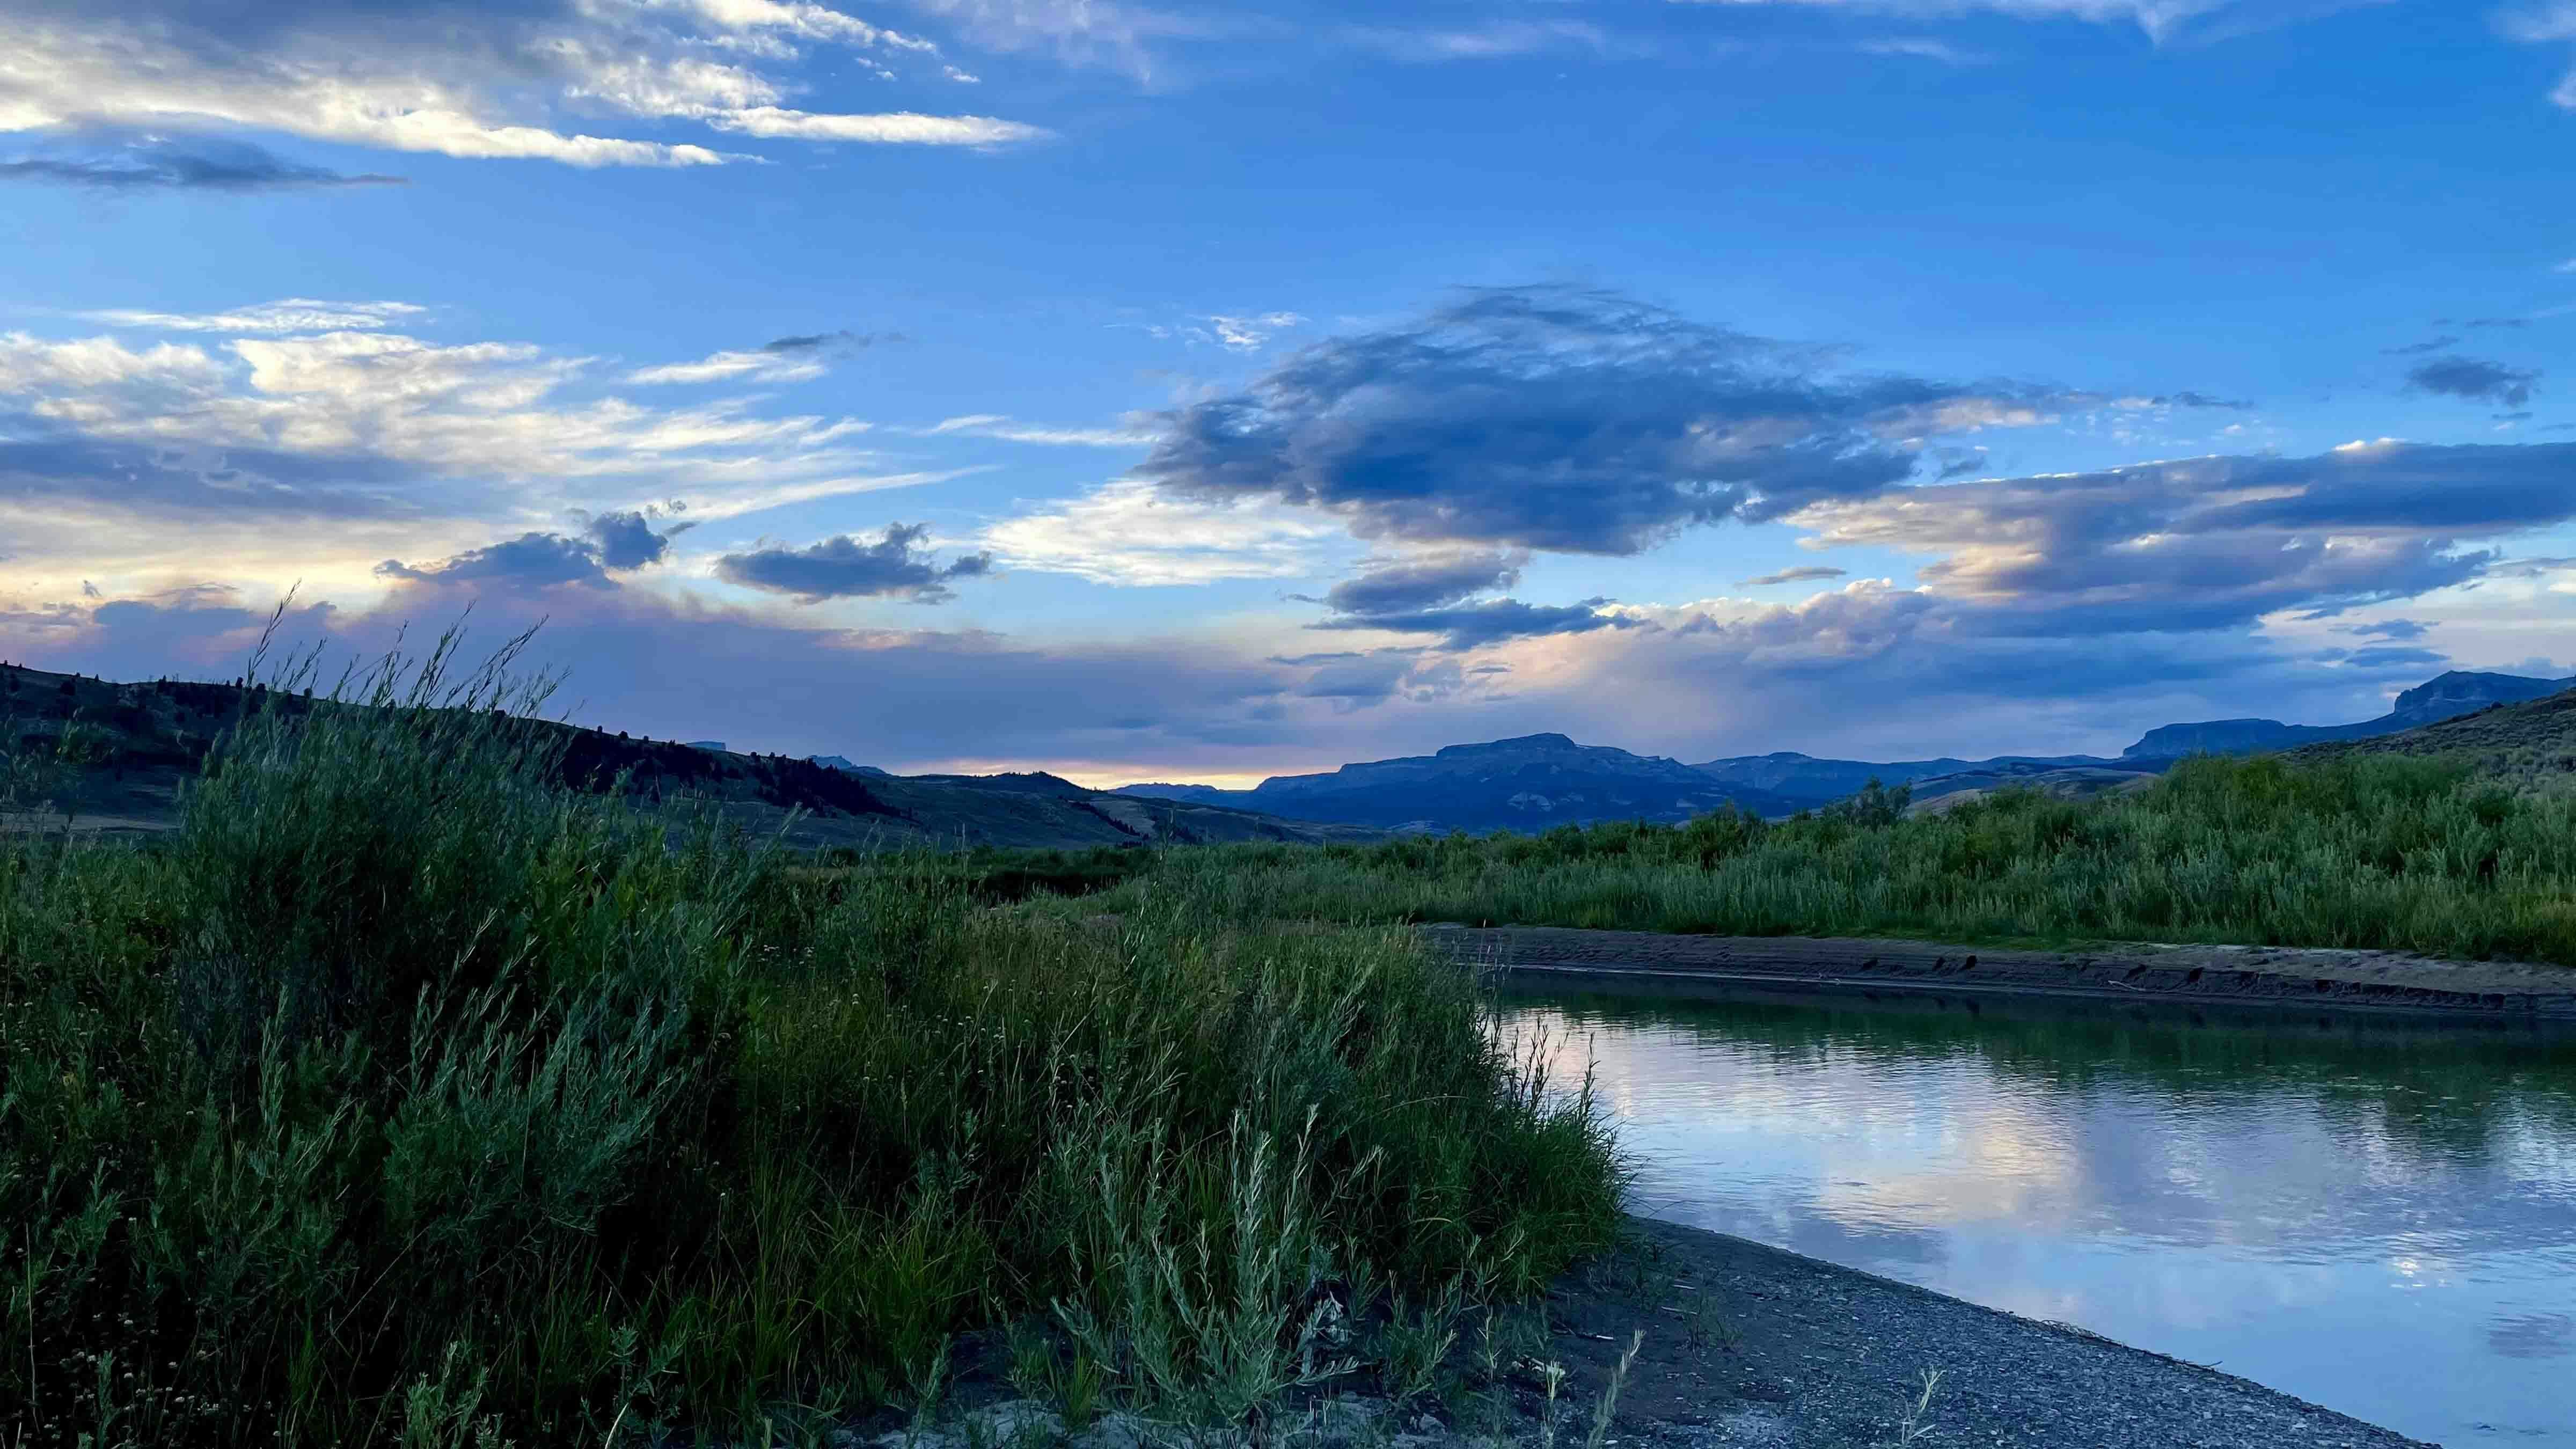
{"points": [[2378, 1219]]}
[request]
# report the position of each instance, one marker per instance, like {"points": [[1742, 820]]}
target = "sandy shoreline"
{"points": [[2260, 978]]}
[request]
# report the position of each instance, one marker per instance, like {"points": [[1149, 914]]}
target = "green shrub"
{"points": [[2361, 851], [403, 1098]]}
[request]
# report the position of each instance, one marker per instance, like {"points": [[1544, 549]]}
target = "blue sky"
{"points": [[1203, 393]]}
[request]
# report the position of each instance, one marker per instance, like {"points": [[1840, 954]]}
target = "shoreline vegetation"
{"points": [[2357, 851], [402, 1098]]}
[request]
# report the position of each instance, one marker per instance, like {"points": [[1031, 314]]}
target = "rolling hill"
{"points": [[2530, 743], [1529, 783], [136, 744]]}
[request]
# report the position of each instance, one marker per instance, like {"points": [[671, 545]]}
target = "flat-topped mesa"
{"points": [[1523, 744], [2461, 690]]}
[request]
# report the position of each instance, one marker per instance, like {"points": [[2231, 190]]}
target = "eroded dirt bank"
{"points": [[2382, 982]]}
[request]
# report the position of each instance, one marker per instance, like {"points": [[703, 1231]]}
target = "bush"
{"points": [[405, 1098], [2375, 851]]}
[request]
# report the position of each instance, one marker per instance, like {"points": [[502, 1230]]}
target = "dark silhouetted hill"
{"points": [[1529, 783], [134, 745]]}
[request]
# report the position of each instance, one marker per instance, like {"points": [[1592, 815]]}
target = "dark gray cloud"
{"points": [[1472, 626], [533, 560], [185, 164], [627, 540], [2210, 543], [2397, 657], [617, 542], [2475, 380], [1562, 419], [2201, 400], [819, 341], [1806, 574], [232, 482], [2418, 349], [1425, 583], [2390, 629], [844, 568]]}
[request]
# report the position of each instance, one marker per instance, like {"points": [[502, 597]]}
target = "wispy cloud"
{"points": [[1807, 574], [2474, 380], [298, 433], [292, 314], [443, 76], [162, 164], [1010, 430], [1127, 533], [2162, 20]]}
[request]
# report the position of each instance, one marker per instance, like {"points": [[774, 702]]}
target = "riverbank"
{"points": [[1814, 1355], [1735, 1344], [2260, 978]]}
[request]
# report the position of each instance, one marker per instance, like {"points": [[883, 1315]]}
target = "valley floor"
{"points": [[2271, 979]]}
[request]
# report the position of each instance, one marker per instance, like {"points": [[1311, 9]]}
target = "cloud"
{"points": [[380, 422], [1473, 626], [787, 359], [1128, 533], [2476, 381], [201, 163], [1244, 333], [895, 128], [1562, 419], [2395, 658], [2163, 21], [452, 77], [1807, 573], [2539, 22], [537, 560], [1924, 48], [626, 540], [293, 314], [2208, 543], [1490, 40], [1132, 434], [2389, 629], [1426, 582], [1078, 32], [2417, 349], [612, 542], [844, 568]]}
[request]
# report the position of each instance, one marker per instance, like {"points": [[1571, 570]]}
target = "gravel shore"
{"points": [[1734, 1344], [2268, 979], [1813, 1355]]}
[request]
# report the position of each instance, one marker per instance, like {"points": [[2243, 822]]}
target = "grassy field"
{"points": [[2358, 849], [401, 1098]]}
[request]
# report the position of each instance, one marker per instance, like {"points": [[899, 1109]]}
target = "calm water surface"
{"points": [[2379, 1219]]}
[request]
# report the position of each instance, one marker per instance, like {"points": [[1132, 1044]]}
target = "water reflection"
{"points": [[2374, 1217]]}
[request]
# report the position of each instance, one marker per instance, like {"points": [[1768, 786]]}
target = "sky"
{"points": [[1201, 393]]}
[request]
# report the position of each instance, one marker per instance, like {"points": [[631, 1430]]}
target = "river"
{"points": [[2379, 1218]]}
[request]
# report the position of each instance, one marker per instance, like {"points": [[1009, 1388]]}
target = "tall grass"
{"points": [[2360, 851], [405, 1099]]}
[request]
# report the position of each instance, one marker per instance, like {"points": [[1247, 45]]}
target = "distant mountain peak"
{"points": [[1520, 744]]}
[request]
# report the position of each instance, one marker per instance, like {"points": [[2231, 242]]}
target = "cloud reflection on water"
{"points": [[2383, 1221]]}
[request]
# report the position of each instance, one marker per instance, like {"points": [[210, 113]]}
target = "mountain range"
{"points": [[1536, 781], [140, 743], [145, 739]]}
